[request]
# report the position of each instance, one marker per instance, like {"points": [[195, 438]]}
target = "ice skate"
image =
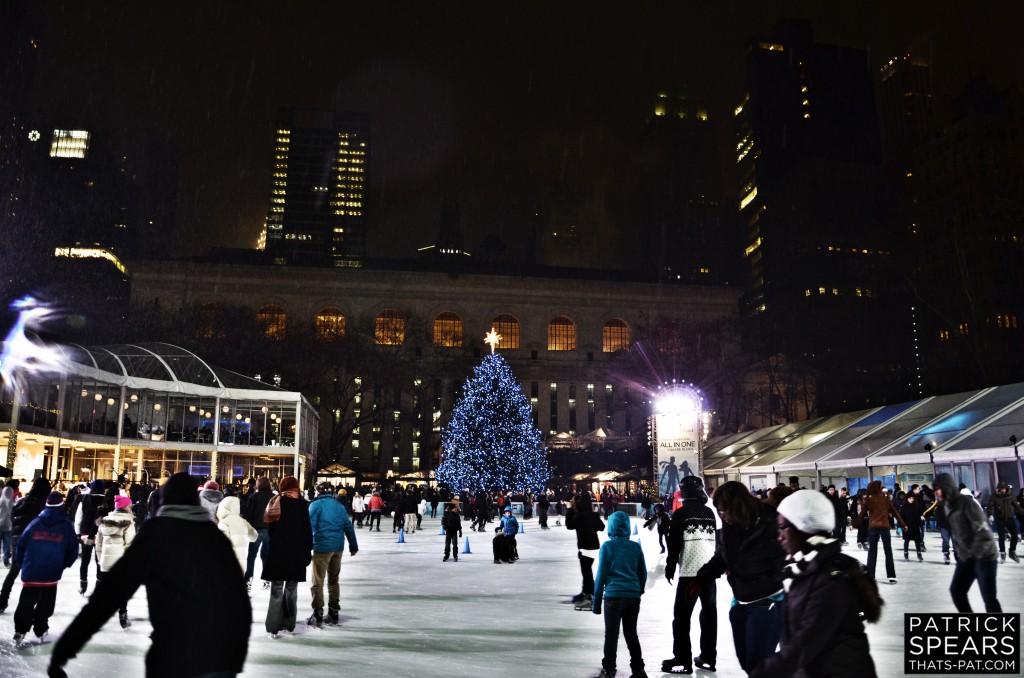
{"points": [[332, 618], [669, 666], [892, 580], [920, 557], [316, 620], [1002, 557], [122, 617], [699, 662], [18, 638], [906, 555], [1013, 557], [945, 558], [585, 603]]}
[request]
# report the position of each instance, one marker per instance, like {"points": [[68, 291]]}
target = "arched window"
{"points": [[561, 334], [330, 324], [272, 321], [615, 336], [508, 327], [210, 323], [448, 330], [389, 328]]}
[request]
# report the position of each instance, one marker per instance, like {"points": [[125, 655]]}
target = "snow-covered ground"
{"points": [[405, 613]]}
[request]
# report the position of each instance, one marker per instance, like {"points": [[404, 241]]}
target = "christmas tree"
{"points": [[491, 441]]}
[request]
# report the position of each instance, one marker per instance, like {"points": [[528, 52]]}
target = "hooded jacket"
{"points": [[46, 548], [209, 499], [115, 533], [967, 522], [330, 523], [28, 508], [621, 569], [1000, 506], [85, 514], [198, 605], [235, 528]]}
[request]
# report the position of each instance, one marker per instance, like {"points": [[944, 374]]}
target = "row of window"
{"points": [[389, 329]]}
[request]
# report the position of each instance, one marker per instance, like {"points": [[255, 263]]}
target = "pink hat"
{"points": [[121, 501], [211, 485]]}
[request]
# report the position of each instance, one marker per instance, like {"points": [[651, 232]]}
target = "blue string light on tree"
{"points": [[491, 441]]}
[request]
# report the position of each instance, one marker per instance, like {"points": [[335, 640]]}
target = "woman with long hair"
{"points": [[877, 509], [753, 559]]}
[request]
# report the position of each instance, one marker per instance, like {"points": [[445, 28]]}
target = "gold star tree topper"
{"points": [[492, 338]]}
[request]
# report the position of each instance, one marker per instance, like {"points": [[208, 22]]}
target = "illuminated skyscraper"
{"points": [[317, 212]]}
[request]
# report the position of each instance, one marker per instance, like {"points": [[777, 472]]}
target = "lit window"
{"points": [[807, 293], [69, 143], [821, 290], [508, 327], [389, 328], [330, 324], [448, 330], [561, 334], [615, 336], [272, 321]]}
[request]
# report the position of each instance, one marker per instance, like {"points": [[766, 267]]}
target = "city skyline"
{"points": [[485, 109]]}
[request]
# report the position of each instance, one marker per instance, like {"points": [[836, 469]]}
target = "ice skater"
{"points": [[504, 544], [621, 577], [587, 524], [661, 521], [977, 553], [452, 524], [115, 533], [913, 516], [47, 547]]}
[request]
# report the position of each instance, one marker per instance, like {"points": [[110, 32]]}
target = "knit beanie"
{"points": [[55, 500], [121, 501], [288, 483], [180, 489], [692, 487], [809, 512], [211, 485]]}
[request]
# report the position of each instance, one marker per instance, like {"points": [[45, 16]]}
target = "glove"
{"points": [[497, 530]]}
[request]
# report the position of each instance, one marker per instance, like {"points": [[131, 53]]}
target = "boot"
{"points": [[316, 620], [684, 664], [945, 558], [1013, 557], [332, 618], [920, 557], [906, 555], [1002, 557]]}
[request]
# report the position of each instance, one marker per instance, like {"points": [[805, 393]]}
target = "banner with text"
{"points": [[677, 449]]}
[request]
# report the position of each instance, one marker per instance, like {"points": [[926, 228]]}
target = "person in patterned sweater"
{"points": [[691, 544]]}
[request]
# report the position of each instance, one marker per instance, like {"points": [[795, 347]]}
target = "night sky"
{"points": [[487, 104]]}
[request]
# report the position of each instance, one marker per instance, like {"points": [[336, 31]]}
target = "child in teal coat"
{"points": [[621, 577]]}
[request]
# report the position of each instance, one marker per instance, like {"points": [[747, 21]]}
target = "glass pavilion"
{"points": [[972, 435], [142, 409]]}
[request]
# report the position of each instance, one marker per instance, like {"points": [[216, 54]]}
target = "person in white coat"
{"points": [[114, 534], [357, 509], [235, 528]]}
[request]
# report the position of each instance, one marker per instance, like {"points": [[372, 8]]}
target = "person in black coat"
{"points": [[197, 601], [913, 516], [24, 512], [255, 506], [829, 596], [751, 555], [581, 517], [290, 553]]}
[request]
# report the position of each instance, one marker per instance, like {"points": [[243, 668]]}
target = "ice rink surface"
{"points": [[406, 613]]}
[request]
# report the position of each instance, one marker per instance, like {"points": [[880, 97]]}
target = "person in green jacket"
{"points": [[621, 577]]}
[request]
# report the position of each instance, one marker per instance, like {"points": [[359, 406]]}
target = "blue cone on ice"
{"points": [[522, 528], [634, 529], [466, 547], [401, 536]]}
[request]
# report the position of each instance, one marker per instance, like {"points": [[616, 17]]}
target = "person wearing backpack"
{"points": [[829, 597]]}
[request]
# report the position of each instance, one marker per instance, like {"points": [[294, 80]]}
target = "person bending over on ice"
{"points": [[194, 585], [505, 547], [621, 577], [829, 596], [976, 550]]}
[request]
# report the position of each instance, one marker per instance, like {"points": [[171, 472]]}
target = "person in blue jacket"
{"points": [[504, 545], [47, 547], [621, 577], [331, 524]]}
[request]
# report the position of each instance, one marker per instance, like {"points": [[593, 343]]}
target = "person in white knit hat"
{"points": [[829, 596]]}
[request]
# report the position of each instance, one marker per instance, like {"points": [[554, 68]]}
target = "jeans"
{"points": [[5, 543], [329, 564], [34, 609], [624, 612], [1002, 527], [282, 610], [755, 631], [963, 577], [587, 569], [944, 531], [681, 614], [261, 545], [874, 535]]}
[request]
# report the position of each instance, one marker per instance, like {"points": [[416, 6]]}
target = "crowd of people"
{"points": [[799, 603]]}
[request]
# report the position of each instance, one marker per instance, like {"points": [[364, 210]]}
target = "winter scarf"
{"points": [[273, 512], [798, 563]]}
